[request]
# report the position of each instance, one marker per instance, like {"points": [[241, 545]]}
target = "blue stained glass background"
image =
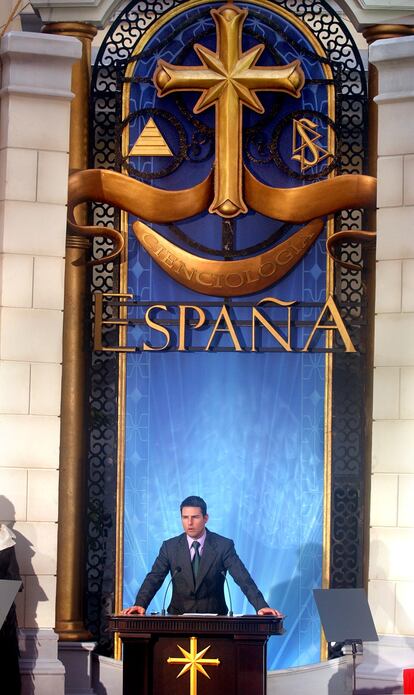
{"points": [[243, 430]]}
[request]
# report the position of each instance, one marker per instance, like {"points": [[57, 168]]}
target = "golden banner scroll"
{"points": [[304, 203], [228, 278], [300, 204], [140, 199]]}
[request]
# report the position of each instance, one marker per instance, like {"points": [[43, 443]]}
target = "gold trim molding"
{"points": [[71, 532], [386, 31], [79, 30]]}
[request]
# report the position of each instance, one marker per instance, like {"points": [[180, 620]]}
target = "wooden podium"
{"points": [[195, 655]]}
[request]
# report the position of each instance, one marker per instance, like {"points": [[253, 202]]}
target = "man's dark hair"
{"points": [[194, 501]]}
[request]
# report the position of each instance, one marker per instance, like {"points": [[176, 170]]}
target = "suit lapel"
{"points": [[207, 557], [184, 560]]}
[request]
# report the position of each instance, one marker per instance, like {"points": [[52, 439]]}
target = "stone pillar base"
{"points": [[77, 660], [42, 672]]}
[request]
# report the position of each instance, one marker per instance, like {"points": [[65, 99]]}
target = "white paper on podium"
{"points": [[198, 615], [8, 591]]}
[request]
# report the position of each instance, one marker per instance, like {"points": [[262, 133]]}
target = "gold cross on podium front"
{"points": [[228, 79], [193, 662]]}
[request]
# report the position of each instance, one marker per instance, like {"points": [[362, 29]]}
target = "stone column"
{"points": [[372, 33], [34, 141], [80, 19], [391, 567]]}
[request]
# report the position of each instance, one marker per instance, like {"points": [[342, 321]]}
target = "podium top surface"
{"points": [[258, 625]]}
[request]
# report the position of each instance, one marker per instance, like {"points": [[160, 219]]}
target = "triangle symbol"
{"points": [[150, 143]]}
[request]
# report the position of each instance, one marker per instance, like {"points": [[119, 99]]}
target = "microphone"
{"points": [[223, 572], [174, 574]]}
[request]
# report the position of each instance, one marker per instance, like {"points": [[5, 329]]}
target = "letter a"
{"points": [[224, 314], [337, 325]]}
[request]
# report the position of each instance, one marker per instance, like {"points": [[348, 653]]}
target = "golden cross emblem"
{"points": [[228, 79], [194, 662]]}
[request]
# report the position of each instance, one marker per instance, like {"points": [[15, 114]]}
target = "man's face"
{"points": [[193, 521]]}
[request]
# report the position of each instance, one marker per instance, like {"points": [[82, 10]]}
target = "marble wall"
{"points": [[391, 564], [392, 504], [34, 138]]}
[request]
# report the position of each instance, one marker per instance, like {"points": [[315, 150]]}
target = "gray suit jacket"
{"points": [[207, 594]]}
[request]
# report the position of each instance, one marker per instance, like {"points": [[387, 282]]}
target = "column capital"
{"points": [[366, 13], [94, 12], [19, 49], [393, 49], [394, 60]]}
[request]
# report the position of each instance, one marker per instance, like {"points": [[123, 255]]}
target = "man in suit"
{"points": [[198, 561]]}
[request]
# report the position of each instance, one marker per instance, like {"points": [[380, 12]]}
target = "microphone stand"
{"points": [[174, 574], [223, 572]]}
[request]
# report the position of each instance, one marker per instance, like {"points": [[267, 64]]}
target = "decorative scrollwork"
{"points": [[346, 531]]}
